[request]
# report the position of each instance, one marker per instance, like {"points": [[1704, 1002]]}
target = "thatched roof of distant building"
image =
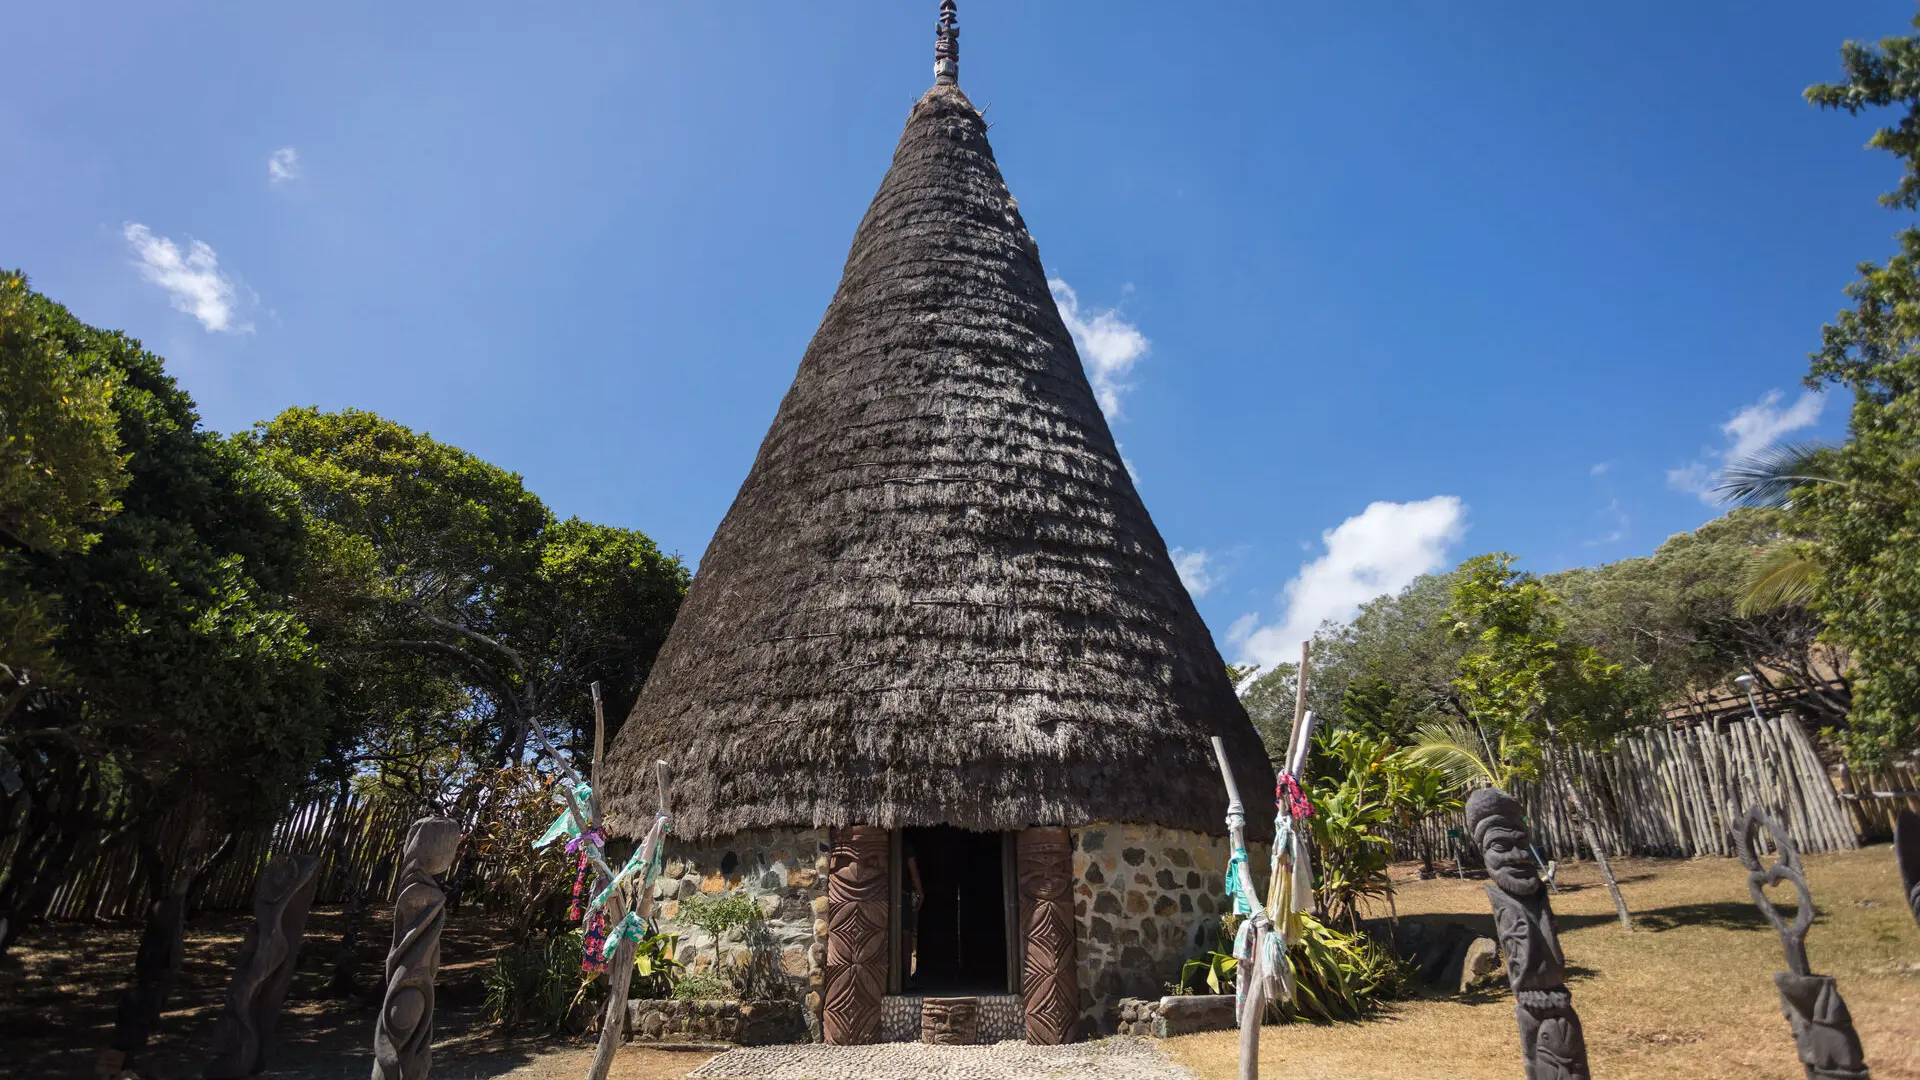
{"points": [[937, 597]]}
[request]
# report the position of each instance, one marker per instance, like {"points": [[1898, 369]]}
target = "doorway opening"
{"points": [[954, 893]]}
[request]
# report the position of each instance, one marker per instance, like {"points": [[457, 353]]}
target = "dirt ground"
{"points": [[59, 986], [1688, 994]]}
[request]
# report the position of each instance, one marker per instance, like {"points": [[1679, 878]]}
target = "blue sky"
{"points": [[1372, 287]]}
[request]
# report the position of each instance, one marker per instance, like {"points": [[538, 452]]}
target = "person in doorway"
{"points": [[911, 897]]}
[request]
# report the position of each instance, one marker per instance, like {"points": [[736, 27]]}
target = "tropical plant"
{"points": [[1351, 790], [1535, 685], [1463, 756], [1862, 526], [655, 970], [1419, 792], [1213, 971], [1337, 976]]}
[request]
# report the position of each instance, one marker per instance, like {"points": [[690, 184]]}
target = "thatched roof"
{"points": [[937, 597]]}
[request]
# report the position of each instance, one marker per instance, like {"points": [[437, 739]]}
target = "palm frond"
{"points": [[1782, 576], [1453, 751], [1769, 477]]}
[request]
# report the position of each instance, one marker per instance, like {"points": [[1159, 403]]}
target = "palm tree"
{"points": [[1783, 575], [1461, 754], [1769, 477]]}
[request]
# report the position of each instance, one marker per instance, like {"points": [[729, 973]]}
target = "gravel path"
{"points": [[1108, 1059]]}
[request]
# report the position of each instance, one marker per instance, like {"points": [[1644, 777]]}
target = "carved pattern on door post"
{"points": [[1049, 986], [857, 935]]}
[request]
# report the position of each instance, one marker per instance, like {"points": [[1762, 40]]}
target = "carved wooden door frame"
{"points": [[1049, 985], [859, 932]]}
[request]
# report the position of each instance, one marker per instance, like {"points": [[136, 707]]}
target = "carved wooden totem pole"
{"points": [[265, 967], [1049, 983], [1822, 1026], [1550, 1037], [858, 895], [1906, 851], [403, 1037]]}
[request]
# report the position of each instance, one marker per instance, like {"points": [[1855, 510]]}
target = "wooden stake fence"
{"points": [[352, 838], [1678, 791]]}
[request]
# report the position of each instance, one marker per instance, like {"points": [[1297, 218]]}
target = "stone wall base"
{"points": [[1171, 1016], [751, 1023]]}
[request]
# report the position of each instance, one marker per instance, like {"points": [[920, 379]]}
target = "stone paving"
{"points": [[1107, 1059]]}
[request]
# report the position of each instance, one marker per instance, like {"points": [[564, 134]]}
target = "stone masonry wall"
{"points": [[1146, 898], [784, 871]]}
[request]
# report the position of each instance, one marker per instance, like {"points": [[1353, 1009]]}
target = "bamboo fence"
{"points": [[1676, 791]]}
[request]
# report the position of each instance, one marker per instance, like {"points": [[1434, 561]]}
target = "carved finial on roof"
{"points": [[946, 46]]}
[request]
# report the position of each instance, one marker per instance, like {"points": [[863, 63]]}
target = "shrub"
{"points": [[536, 983], [717, 913], [702, 984], [1337, 976]]}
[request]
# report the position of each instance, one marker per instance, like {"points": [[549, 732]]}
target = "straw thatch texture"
{"points": [[937, 597]]}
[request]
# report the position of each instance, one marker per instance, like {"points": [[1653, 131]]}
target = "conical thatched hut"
{"points": [[937, 647]]}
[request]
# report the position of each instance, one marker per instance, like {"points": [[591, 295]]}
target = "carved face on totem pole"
{"points": [[1498, 826]]}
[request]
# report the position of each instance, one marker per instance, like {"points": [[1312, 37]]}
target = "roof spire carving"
{"points": [[946, 46]]}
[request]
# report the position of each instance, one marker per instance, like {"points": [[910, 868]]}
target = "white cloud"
{"points": [[193, 281], [283, 165], [1598, 470], [1243, 628], [1192, 566], [1694, 478], [1376, 552], [1618, 520], [1759, 425], [1109, 345], [1752, 429]]}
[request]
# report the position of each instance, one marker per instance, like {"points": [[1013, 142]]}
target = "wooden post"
{"points": [[599, 741], [1300, 691], [620, 968], [1256, 999]]}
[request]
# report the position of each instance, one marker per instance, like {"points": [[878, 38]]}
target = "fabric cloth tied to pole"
{"points": [[631, 927], [568, 823], [645, 862]]}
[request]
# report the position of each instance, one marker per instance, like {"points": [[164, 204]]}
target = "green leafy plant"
{"points": [[1213, 971], [718, 913], [655, 971], [1337, 976], [702, 985], [536, 983], [1349, 810], [1418, 792]]}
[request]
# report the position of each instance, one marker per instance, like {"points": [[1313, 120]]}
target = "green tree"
{"points": [[450, 592], [1523, 678], [1679, 624], [1386, 671], [1865, 522], [61, 472], [191, 686]]}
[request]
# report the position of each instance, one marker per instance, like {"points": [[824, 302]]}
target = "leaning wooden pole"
{"points": [[1255, 1005], [620, 968]]}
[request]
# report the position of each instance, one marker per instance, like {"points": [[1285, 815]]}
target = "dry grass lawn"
{"points": [[1688, 994]]}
